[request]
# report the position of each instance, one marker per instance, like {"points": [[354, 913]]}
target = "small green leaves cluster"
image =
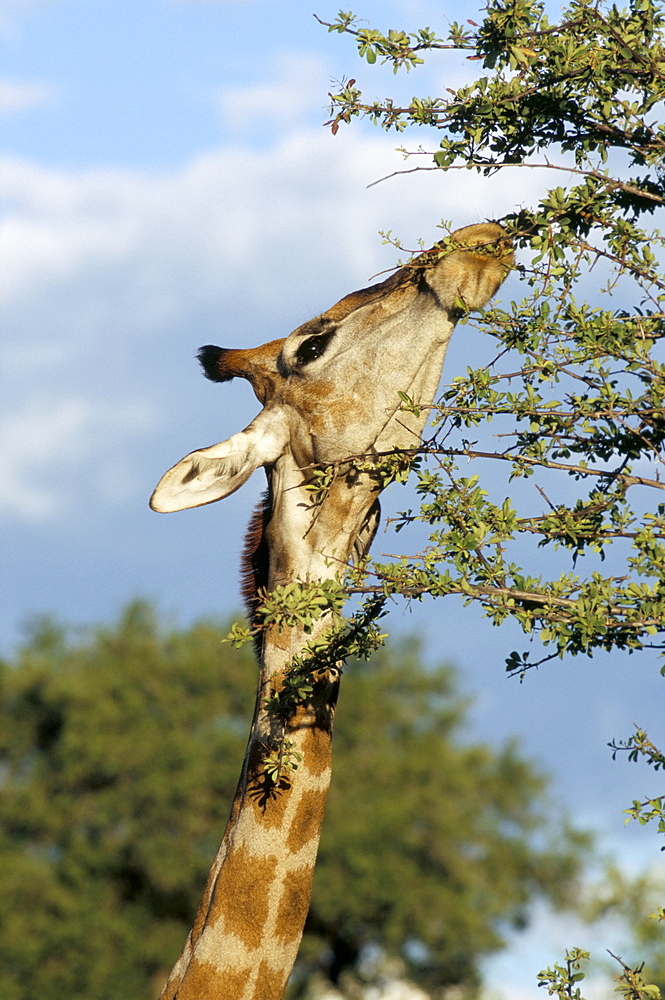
{"points": [[395, 466], [396, 47], [384, 468], [279, 761], [323, 657], [639, 747], [238, 635], [301, 604], [292, 604], [297, 687], [631, 984], [561, 979], [319, 481]]}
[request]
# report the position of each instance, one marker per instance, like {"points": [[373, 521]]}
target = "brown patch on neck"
{"points": [[204, 981], [317, 739], [241, 895], [308, 818], [294, 904], [270, 983]]}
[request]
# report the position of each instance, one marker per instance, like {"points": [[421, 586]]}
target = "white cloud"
{"points": [[57, 220], [49, 443], [299, 80], [17, 96], [231, 208]]}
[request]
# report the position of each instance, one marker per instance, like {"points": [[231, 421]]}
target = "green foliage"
{"points": [[301, 603], [636, 902], [120, 751], [640, 746], [279, 762], [574, 396], [561, 980], [356, 637], [632, 985], [391, 467]]}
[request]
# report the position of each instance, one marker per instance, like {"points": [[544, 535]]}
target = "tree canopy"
{"points": [[571, 395], [119, 751]]}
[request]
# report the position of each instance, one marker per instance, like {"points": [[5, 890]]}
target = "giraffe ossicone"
{"points": [[331, 394]]}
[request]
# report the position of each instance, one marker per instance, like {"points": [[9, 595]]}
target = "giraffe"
{"points": [[330, 393]]}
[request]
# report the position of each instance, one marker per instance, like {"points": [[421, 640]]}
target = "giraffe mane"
{"points": [[254, 563]]}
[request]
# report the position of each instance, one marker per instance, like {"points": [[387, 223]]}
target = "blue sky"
{"points": [[168, 183]]}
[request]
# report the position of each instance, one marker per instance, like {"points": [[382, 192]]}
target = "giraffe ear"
{"points": [[213, 473]]}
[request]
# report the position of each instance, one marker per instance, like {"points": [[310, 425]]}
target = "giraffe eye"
{"points": [[312, 348]]}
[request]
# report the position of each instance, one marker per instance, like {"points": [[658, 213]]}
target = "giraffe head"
{"points": [[330, 392], [330, 396]]}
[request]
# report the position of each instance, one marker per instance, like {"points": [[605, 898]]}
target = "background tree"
{"points": [[637, 901], [118, 754]]}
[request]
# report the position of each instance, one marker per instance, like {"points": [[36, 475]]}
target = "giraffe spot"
{"points": [[316, 750], [240, 896], [294, 904], [204, 981], [270, 983], [308, 819], [269, 801]]}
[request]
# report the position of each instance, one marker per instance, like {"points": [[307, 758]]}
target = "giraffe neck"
{"points": [[249, 925], [248, 929]]}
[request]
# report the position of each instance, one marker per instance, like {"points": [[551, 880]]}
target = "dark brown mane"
{"points": [[254, 563]]}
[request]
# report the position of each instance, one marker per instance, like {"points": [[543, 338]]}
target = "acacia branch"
{"points": [[384, 44], [627, 478], [541, 602], [611, 182]]}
